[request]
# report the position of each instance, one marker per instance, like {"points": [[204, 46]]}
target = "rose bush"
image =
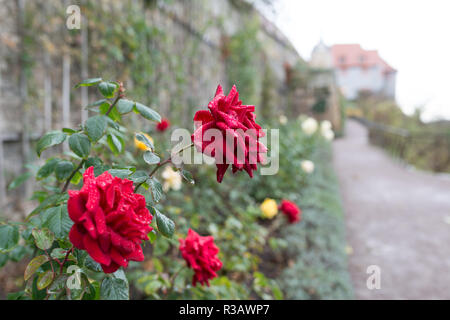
{"points": [[251, 247], [101, 226]]}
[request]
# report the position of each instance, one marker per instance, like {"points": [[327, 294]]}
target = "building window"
{"points": [[342, 59]]}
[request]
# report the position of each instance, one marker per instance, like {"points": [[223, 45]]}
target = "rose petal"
{"points": [[111, 268], [136, 254], [95, 252], [76, 237], [75, 205]]}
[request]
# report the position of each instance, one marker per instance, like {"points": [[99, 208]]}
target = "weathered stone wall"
{"points": [[194, 41]]}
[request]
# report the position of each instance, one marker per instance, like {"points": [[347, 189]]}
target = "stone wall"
{"points": [[190, 42]]}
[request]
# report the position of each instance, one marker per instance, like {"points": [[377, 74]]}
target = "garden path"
{"points": [[397, 218]]}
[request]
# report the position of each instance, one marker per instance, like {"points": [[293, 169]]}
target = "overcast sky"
{"points": [[412, 36]]}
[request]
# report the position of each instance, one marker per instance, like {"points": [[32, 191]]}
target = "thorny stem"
{"points": [[65, 260], [161, 164], [51, 264], [172, 281], [61, 266], [111, 107], [53, 272], [66, 185], [119, 96]]}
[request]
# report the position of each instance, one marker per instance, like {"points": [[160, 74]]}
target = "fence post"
{"points": [[2, 176], [48, 93], [84, 67]]}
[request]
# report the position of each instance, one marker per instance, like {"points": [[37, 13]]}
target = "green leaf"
{"points": [[50, 201], [88, 82], [44, 238], [39, 195], [92, 291], [92, 162], [151, 158], [92, 265], [142, 138], [58, 285], [98, 170], [47, 169], [34, 265], [21, 295], [44, 279], [124, 106], [120, 274], [63, 169], [107, 89], [50, 139], [113, 114], [114, 289], [147, 113], [152, 236], [114, 143], [277, 293], [95, 127], [187, 176], [59, 253], [79, 143], [97, 103], [165, 225], [121, 173], [57, 220], [17, 182], [112, 121], [18, 253], [37, 294], [3, 259], [69, 131], [76, 178], [155, 189], [9, 237], [139, 176]]}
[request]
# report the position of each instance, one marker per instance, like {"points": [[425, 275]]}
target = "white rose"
{"points": [[172, 179], [283, 119], [328, 134], [307, 166], [309, 126], [325, 125]]}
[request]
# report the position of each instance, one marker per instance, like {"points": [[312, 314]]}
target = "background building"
{"points": [[357, 70]]}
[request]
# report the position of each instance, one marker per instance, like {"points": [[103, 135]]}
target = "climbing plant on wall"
{"points": [[243, 58]]}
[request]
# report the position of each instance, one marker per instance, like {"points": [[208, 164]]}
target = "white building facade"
{"points": [[356, 69]]}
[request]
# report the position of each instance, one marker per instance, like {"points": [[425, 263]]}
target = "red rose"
{"points": [[200, 254], [290, 209], [110, 220], [239, 144], [163, 125]]}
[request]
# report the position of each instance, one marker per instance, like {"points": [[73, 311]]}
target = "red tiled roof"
{"points": [[352, 55]]}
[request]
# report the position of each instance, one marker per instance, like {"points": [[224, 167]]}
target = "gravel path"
{"points": [[397, 218]]}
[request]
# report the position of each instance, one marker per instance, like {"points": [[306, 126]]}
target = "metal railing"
{"points": [[425, 150]]}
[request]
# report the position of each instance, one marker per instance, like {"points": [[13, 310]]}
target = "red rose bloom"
{"points": [[290, 209], [163, 125], [231, 119], [110, 220], [200, 254]]}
